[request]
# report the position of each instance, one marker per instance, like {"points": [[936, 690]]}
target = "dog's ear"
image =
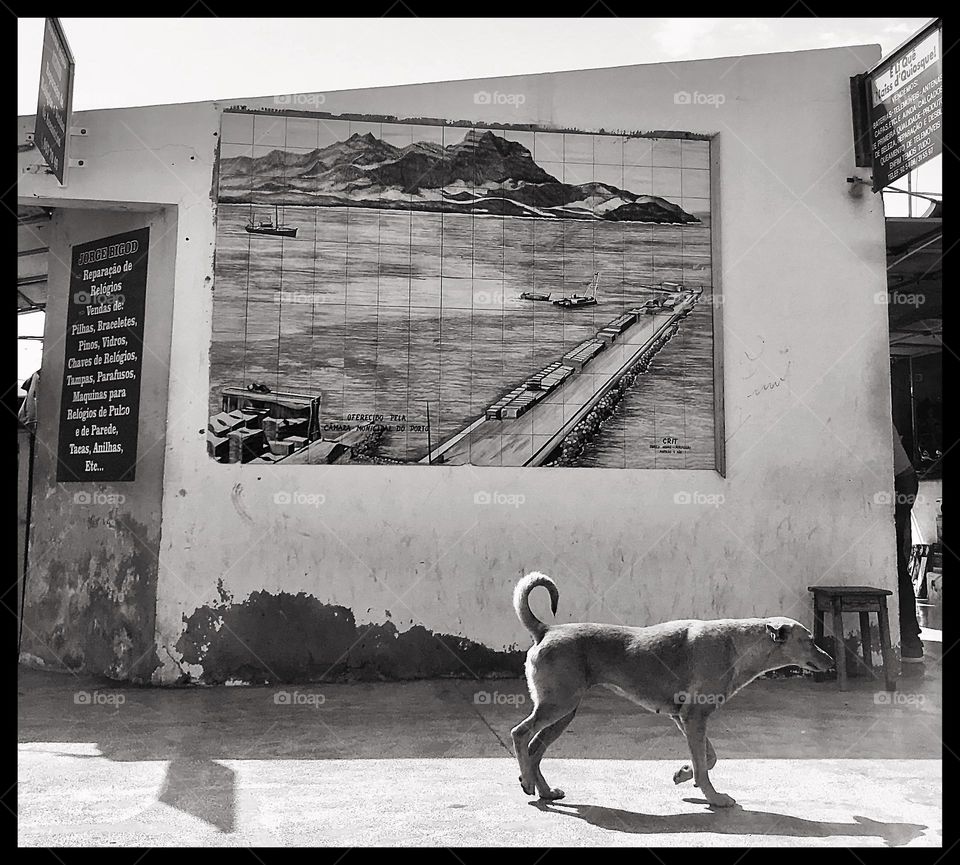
{"points": [[778, 633]]}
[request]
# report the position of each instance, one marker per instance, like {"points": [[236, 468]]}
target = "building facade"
{"points": [[402, 345]]}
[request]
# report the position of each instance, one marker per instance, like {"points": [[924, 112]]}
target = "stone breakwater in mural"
{"points": [[572, 448]]}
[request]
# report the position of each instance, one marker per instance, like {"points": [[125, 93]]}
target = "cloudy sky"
{"points": [[147, 61]]}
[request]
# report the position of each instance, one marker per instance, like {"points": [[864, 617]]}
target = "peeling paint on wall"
{"points": [[287, 638], [97, 611]]}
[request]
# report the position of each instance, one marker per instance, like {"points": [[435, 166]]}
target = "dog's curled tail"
{"points": [[521, 602]]}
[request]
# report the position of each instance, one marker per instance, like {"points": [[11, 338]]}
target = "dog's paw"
{"points": [[684, 773], [528, 787], [553, 793], [721, 800]]}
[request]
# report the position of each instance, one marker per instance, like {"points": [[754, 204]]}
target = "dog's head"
{"points": [[793, 645]]}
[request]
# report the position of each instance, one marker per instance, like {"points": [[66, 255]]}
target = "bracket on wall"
{"points": [[43, 168]]}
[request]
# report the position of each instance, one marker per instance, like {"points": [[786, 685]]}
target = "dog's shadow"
{"points": [[731, 821]]}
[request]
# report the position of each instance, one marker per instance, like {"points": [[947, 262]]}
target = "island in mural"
{"points": [[410, 293]]}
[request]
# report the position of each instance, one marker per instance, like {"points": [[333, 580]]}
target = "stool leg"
{"points": [[889, 673], [818, 636], [866, 643], [841, 649]]}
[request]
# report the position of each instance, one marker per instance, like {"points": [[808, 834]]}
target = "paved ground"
{"points": [[428, 763]]}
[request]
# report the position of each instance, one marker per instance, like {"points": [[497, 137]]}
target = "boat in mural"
{"points": [[534, 295], [274, 228], [588, 298]]}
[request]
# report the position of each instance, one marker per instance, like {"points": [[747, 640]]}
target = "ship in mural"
{"points": [[431, 295], [483, 174], [588, 298], [273, 229], [534, 295]]}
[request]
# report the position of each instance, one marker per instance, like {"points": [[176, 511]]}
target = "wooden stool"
{"points": [[854, 599]]}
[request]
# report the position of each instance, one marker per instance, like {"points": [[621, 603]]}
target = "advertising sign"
{"points": [[52, 130], [906, 107], [103, 359]]}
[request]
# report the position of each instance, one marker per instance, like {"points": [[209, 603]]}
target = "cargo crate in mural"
{"points": [[427, 293]]}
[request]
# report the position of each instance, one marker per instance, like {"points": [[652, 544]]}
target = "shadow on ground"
{"points": [[731, 821]]}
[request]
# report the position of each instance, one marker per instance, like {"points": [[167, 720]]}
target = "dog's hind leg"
{"points": [[685, 772], [695, 726], [543, 715], [538, 745]]}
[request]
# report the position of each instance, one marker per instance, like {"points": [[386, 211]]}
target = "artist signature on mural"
{"points": [[669, 445]]}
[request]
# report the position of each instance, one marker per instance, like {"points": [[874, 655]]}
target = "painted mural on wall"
{"points": [[419, 293]]}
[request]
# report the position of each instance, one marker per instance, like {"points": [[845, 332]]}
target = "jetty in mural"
{"points": [[439, 295], [562, 406]]}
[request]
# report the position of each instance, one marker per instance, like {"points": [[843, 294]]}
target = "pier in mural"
{"points": [[427, 294]]}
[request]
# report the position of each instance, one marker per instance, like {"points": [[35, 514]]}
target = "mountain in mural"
{"points": [[484, 174]]}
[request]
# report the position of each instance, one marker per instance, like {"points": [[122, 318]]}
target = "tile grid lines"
{"points": [[314, 383], [681, 337], [377, 398], [565, 264], [283, 173], [409, 323]]}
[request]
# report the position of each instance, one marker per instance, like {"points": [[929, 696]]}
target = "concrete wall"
{"points": [[403, 557], [91, 582]]}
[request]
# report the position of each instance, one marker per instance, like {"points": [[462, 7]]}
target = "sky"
{"points": [[148, 61]]}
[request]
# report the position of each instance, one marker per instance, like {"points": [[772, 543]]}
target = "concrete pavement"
{"points": [[428, 763]]}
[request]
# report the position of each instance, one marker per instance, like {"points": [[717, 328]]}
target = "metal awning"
{"points": [[915, 282], [33, 233]]}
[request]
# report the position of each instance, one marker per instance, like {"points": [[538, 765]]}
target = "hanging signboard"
{"points": [[103, 359], [906, 107], [54, 104]]}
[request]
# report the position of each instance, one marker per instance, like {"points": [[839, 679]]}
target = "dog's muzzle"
{"points": [[821, 662]]}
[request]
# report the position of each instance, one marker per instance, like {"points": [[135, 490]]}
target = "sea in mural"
{"points": [[436, 294]]}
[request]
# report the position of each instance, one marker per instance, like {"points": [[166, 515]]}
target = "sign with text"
{"points": [[103, 359], [906, 108], [52, 130]]}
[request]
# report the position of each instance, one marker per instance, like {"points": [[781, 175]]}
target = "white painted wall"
{"points": [[801, 263]]}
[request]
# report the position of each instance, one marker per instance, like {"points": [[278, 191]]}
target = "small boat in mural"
{"points": [[274, 228], [534, 295], [588, 298]]}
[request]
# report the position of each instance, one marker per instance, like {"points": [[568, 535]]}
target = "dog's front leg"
{"points": [[685, 772], [695, 726]]}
